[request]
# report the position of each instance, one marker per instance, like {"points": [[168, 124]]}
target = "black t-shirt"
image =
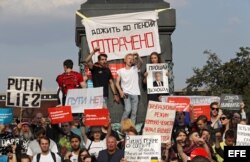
{"points": [[101, 76]]}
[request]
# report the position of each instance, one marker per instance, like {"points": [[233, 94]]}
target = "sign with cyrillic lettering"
{"points": [[60, 114], [157, 79], [230, 102], [117, 35], [6, 115], [160, 120], [81, 99], [243, 135], [24, 92], [143, 148], [96, 117]]}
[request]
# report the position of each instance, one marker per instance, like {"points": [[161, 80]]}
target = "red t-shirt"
{"points": [[69, 80]]}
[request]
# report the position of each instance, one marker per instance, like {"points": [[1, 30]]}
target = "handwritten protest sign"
{"points": [[24, 92], [113, 68], [81, 99], [243, 135], [143, 148], [60, 114], [119, 34], [160, 120], [230, 102], [96, 117], [181, 103], [157, 79], [6, 115]]}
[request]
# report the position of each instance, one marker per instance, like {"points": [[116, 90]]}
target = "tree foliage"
{"points": [[216, 77]]}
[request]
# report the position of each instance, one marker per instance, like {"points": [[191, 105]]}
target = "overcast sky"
{"points": [[36, 36]]}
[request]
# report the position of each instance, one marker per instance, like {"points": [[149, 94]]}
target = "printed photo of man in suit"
{"points": [[158, 79]]}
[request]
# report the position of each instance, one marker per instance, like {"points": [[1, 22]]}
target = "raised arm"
{"points": [[89, 60]]}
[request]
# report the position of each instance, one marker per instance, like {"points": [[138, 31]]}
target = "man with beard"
{"points": [[25, 136], [75, 141], [46, 155]]}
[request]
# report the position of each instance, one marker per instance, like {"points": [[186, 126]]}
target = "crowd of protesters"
{"points": [[38, 140]]}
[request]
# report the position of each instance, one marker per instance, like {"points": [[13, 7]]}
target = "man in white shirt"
{"points": [[129, 89], [75, 142], [34, 146], [46, 155]]}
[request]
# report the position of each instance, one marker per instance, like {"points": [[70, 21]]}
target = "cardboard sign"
{"points": [[230, 102], [160, 120], [243, 135], [88, 98], [60, 114], [157, 79], [143, 148], [96, 117], [117, 35], [201, 110], [6, 115], [181, 103], [24, 92]]}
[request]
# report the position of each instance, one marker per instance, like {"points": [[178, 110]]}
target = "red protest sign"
{"points": [[114, 67], [198, 110], [60, 114], [96, 117], [181, 103]]}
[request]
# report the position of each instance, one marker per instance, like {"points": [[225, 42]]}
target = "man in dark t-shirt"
{"points": [[101, 75]]}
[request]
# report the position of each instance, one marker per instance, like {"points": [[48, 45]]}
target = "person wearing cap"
{"points": [[25, 135], [101, 75], [95, 145]]}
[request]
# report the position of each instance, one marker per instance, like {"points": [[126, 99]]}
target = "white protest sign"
{"points": [[203, 100], [88, 98], [160, 120], [24, 92], [143, 148], [157, 79], [117, 35], [243, 135]]}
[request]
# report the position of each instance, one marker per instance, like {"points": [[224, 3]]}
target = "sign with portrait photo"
{"points": [[157, 79]]}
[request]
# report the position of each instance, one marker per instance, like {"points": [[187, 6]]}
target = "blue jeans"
{"points": [[131, 106]]}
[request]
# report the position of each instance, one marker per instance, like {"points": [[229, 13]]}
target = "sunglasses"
{"points": [[217, 109], [223, 118]]}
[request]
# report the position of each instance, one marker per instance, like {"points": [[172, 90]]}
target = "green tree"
{"points": [[216, 77]]}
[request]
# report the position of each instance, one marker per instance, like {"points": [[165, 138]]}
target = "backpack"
{"points": [[69, 81], [38, 156]]}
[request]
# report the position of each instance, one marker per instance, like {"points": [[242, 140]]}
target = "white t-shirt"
{"points": [[74, 157], [47, 158], [34, 147], [96, 147], [129, 80]]}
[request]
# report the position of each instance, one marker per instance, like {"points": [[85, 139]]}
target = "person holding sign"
{"points": [[69, 79], [154, 59], [129, 88], [101, 75]]}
